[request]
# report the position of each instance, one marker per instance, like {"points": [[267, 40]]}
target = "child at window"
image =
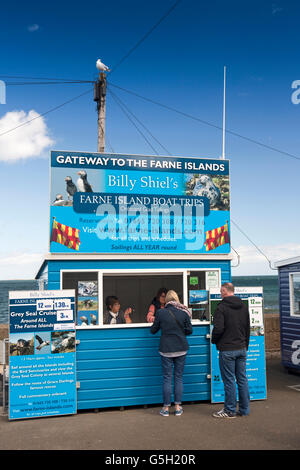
{"points": [[113, 315]]}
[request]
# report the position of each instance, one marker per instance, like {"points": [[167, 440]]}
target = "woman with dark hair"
{"points": [[114, 315], [174, 322], [157, 303]]}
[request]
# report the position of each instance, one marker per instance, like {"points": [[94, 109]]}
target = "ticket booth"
{"points": [[126, 226], [119, 365]]}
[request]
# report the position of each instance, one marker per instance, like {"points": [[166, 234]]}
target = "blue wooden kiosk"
{"points": [[289, 304], [119, 365]]}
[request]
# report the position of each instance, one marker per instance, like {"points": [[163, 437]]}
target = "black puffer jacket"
{"points": [[231, 322]]}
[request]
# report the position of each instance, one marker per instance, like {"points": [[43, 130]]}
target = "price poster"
{"points": [[42, 365], [255, 363]]}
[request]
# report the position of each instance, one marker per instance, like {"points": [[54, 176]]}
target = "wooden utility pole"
{"points": [[100, 98]]}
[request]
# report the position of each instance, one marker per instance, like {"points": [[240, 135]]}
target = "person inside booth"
{"points": [[158, 302], [113, 315]]}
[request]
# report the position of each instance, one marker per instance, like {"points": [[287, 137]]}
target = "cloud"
{"points": [[254, 263], [27, 141], [20, 265], [32, 28]]}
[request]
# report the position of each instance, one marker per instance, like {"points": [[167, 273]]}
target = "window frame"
{"points": [[134, 272], [291, 292]]}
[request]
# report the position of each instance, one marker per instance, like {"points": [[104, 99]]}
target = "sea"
{"points": [[269, 284]]}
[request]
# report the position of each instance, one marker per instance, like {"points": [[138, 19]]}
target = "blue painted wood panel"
{"points": [[54, 267], [122, 367], [289, 325]]}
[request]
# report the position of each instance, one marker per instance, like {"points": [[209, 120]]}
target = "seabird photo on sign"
{"points": [[71, 187], [59, 200], [42, 342], [62, 342], [82, 182]]}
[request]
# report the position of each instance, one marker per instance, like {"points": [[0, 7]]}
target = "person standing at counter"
{"points": [[174, 322], [231, 335], [157, 303], [114, 315]]}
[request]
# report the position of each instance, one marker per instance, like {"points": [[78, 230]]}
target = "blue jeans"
{"points": [[233, 368], [167, 367]]}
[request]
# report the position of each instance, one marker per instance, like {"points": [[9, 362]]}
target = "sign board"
{"points": [[256, 363], [42, 365], [110, 203]]}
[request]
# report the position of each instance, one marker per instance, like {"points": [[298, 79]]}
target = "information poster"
{"points": [[256, 363], [87, 303], [42, 363], [111, 203]]}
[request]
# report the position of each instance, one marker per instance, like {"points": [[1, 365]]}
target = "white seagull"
{"points": [[102, 67]]}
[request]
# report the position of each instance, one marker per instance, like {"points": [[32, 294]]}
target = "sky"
{"points": [[180, 65]]}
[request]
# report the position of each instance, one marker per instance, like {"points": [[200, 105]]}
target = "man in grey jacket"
{"points": [[231, 335]]}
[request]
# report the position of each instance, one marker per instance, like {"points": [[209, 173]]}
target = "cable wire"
{"points": [[135, 117], [42, 78], [205, 122], [47, 112], [238, 257], [145, 36], [48, 83], [134, 124], [258, 249]]}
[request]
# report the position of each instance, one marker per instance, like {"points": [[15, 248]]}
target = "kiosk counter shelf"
{"points": [[119, 365]]}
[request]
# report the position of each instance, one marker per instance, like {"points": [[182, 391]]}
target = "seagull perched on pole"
{"points": [[102, 67]]}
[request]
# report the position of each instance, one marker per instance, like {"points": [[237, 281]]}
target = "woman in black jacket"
{"points": [[175, 324]]}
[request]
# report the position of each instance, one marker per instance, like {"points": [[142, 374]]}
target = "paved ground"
{"points": [[273, 424]]}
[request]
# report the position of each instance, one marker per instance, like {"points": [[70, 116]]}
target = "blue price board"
{"points": [[42, 365], [255, 363]]}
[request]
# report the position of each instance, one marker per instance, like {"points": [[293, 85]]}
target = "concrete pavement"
{"points": [[274, 424]]}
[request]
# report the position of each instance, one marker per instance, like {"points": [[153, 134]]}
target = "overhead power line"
{"points": [[43, 78], [248, 238], [145, 35], [47, 112], [182, 113], [138, 120], [133, 123], [49, 83]]}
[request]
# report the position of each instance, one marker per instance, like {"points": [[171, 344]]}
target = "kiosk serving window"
{"points": [[136, 292], [109, 298]]}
